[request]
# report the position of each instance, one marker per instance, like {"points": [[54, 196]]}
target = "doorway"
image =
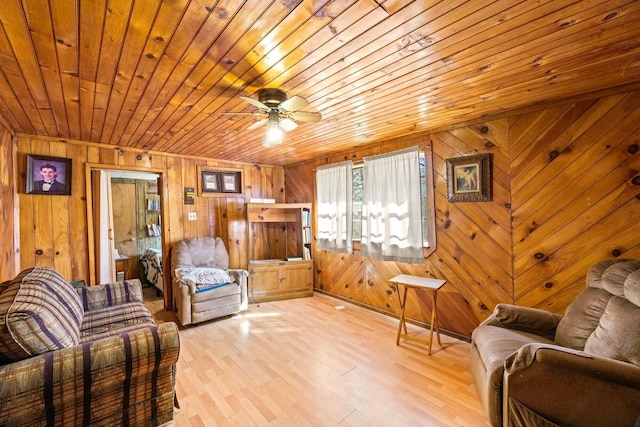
{"points": [[125, 226]]}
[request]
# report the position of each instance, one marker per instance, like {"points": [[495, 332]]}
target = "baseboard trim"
{"points": [[425, 325]]}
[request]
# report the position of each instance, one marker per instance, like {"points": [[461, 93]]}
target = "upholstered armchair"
{"points": [[204, 287], [533, 367]]}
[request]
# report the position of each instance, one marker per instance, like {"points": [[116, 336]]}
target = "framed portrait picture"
{"points": [[210, 182], [469, 178], [230, 182], [48, 175]]}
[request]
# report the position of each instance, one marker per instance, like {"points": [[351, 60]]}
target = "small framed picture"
{"points": [[210, 182], [469, 178], [230, 182], [219, 182], [48, 175]]}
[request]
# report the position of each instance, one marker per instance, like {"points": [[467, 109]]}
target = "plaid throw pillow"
{"points": [[40, 312]]}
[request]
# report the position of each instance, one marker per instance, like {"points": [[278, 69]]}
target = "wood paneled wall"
{"points": [[53, 229], [9, 216], [575, 194], [566, 193]]}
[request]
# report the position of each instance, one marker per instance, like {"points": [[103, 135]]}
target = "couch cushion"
{"points": [[107, 321], [216, 291], [200, 252], [614, 277], [110, 294], [617, 335], [595, 272], [632, 287], [496, 343], [581, 318], [40, 312]]}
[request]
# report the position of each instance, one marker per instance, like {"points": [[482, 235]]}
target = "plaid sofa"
{"points": [[86, 356]]}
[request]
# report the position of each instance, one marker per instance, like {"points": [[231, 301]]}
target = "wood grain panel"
{"points": [[341, 274], [9, 214], [589, 195], [78, 239], [61, 221]]}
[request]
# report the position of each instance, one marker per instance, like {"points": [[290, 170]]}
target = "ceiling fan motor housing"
{"points": [[271, 97]]}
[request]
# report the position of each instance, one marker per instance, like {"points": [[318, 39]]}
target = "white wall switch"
{"points": [[192, 216]]}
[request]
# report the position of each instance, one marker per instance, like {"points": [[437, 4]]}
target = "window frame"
{"points": [[428, 203]]}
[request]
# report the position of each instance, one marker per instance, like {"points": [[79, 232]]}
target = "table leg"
{"points": [[434, 320], [403, 303]]}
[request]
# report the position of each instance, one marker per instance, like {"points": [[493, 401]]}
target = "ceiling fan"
{"points": [[282, 113]]}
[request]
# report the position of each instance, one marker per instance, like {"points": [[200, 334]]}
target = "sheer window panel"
{"points": [[392, 207], [334, 189]]}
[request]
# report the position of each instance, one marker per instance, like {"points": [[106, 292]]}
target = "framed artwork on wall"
{"points": [[48, 175], [219, 182], [230, 182], [210, 182], [469, 178]]}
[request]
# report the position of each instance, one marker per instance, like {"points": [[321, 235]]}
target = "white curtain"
{"points": [[392, 210], [335, 199]]}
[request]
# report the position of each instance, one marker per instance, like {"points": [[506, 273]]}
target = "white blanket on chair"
{"points": [[203, 276]]}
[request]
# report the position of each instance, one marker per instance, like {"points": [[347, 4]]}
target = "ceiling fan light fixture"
{"points": [[275, 132], [274, 136]]}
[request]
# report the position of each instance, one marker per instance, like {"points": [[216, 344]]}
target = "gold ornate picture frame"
{"points": [[469, 178]]}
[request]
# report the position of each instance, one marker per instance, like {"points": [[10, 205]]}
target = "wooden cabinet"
{"points": [[122, 268], [280, 263], [275, 279]]}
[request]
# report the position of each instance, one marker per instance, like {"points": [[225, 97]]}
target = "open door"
{"points": [[103, 227], [102, 232]]}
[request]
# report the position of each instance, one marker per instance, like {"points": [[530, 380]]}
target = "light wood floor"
{"points": [[304, 362]]}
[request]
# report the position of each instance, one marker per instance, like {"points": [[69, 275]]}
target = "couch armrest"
{"points": [[526, 319], [239, 274], [242, 278], [94, 379], [108, 295], [569, 387]]}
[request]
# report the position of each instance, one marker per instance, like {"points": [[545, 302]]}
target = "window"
{"points": [[392, 208], [358, 196], [334, 195]]}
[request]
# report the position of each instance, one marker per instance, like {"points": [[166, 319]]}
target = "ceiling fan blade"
{"points": [[255, 102], [242, 113], [305, 116], [287, 124], [257, 124], [294, 103]]}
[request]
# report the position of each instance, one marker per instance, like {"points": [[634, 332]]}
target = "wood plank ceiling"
{"points": [[158, 75]]}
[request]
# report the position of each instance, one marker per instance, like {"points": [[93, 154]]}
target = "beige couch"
{"points": [[204, 287], [86, 356], [535, 368]]}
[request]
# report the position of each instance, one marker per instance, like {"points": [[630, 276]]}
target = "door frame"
{"points": [[162, 190]]}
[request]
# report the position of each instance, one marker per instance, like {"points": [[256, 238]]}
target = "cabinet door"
{"points": [[264, 279], [298, 276]]}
